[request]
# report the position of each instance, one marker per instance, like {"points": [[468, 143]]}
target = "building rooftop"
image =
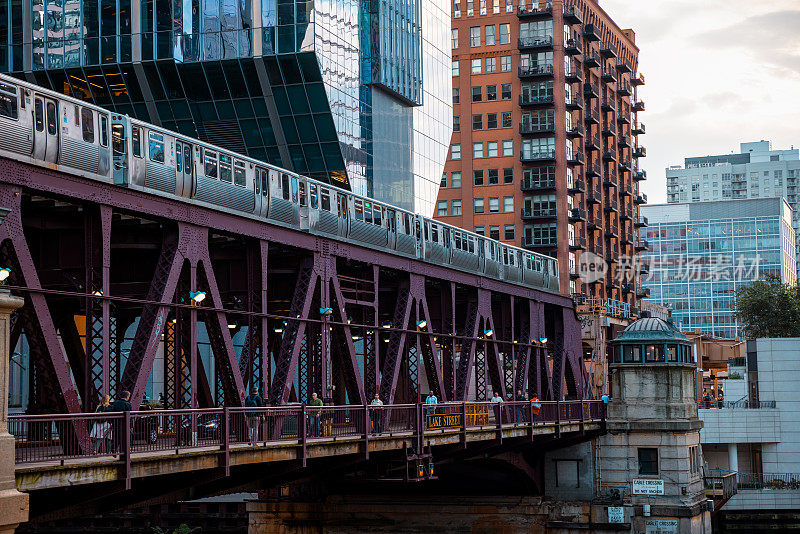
{"points": [[651, 328]]}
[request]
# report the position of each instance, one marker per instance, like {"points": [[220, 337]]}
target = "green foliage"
{"points": [[734, 376], [768, 308], [182, 529]]}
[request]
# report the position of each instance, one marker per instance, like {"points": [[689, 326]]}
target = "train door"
{"points": [[184, 168], [341, 209], [391, 225], [45, 129], [261, 183], [418, 222], [119, 149]]}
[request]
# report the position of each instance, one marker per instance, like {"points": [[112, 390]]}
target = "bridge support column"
{"points": [[13, 504]]}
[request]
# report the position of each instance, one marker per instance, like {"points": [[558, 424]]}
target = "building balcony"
{"points": [[573, 76], [590, 90], [637, 80], [610, 155], [535, 43], [623, 117], [573, 47], [592, 143], [608, 104], [626, 213], [624, 141], [577, 186], [578, 243], [591, 33], [610, 180], [594, 222], [609, 130], [577, 215], [592, 169], [641, 245], [626, 190], [641, 222], [577, 158], [628, 287], [638, 129], [544, 155], [641, 198], [575, 132], [531, 101], [529, 128], [639, 152], [609, 76], [643, 292], [531, 214], [572, 15], [612, 255], [536, 71], [624, 163], [640, 176], [612, 230], [574, 103], [626, 238], [624, 89], [644, 267], [591, 116], [637, 106], [624, 66], [591, 60], [539, 244], [612, 205], [538, 185], [594, 196], [608, 50], [536, 11]]}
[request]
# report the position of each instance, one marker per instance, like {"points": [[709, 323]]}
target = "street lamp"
{"points": [[325, 311], [5, 272], [197, 296], [422, 324]]}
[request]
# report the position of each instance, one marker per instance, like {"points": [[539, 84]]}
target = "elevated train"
{"points": [[48, 129]]}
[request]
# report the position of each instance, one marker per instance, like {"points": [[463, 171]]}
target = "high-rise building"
{"points": [[698, 255], [545, 150], [757, 171], [352, 91]]}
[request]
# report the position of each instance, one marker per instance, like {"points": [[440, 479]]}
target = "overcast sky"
{"points": [[718, 72]]}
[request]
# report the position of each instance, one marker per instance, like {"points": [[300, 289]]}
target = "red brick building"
{"points": [[545, 151]]}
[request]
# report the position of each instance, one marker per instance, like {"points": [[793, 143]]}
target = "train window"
{"points": [[472, 245], [187, 160], [156, 147], [136, 141], [225, 168], [457, 240], [302, 188], [239, 177], [312, 194], [210, 163], [104, 132], [326, 199], [118, 139], [434, 233], [285, 186], [368, 212], [427, 231], [87, 125], [77, 116], [178, 157], [38, 114], [294, 189], [391, 220], [52, 118], [359, 209], [264, 183], [417, 230], [8, 101], [377, 218]]}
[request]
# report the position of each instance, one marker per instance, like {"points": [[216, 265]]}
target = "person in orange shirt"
{"points": [[536, 406]]}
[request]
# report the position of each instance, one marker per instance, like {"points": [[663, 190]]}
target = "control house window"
{"points": [[648, 461]]}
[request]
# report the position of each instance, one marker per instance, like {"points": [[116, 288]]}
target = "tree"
{"points": [[768, 308]]}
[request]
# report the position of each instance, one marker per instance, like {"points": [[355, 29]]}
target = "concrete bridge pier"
{"points": [[13, 504]]}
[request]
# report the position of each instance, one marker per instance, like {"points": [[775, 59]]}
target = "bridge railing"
{"points": [[64, 437]]}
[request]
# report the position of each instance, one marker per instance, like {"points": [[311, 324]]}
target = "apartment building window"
{"points": [[534, 60], [480, 230], [455, 151], [539, 204], [489, 35], [508, 232], [541, 234], [508, 204], [507, 119], [505, 33], [477, 150], [505, 63], [482, 4], [443, 183], [536, 30], [477, 205], [477, 122], [491, 149], [505, 91], [508, 147], [543, 147], [456, 205], [495, 6], [475, 66], [491, 64], [494, 176], [477, 94], [455, 179], [491, 93], [455, 67], [648, 461], [508, 174], [537, 91], [494, 204], [457, 9], [456, 123], [475, 36], [454, 38], [477, 177], [539, 120], [494, 232], [441, 208], [509, 6], [470, 8], [456, 95], [491, 121]]}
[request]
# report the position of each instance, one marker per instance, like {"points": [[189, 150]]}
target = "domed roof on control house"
{"points": [[651, 340]]}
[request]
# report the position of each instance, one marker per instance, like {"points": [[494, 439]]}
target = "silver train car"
{"points": [[48, 129]]}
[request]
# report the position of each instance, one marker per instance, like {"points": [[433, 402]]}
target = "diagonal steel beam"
{"points": [[349, 359], [432, 356], [397, 343]]}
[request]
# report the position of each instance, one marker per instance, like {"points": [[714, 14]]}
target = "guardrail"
{"points": [[46, 438], [722, 485], [768, 481], [736, 405]]}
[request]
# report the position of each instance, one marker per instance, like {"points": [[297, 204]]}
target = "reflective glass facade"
{"points": [[287, 81], [698, 256]]}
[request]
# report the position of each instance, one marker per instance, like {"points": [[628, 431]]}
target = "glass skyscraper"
{"points": [[699, 254], [355, 92]]}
